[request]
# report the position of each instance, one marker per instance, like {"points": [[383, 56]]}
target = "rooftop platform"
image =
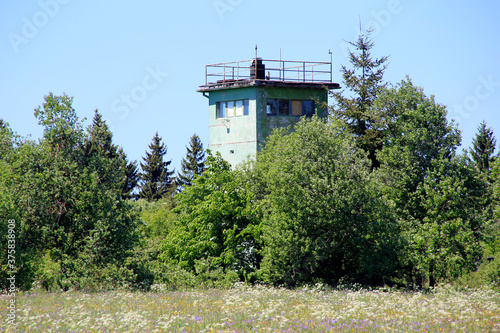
{"points": [[266, 72]]}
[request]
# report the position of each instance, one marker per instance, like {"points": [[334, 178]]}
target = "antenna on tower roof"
{"points": [[331, 65], [255, 51]]}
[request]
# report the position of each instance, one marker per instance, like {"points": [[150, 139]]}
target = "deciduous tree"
{"points": [[437, 196], [322, 220], [214, 231], [70, 216]]}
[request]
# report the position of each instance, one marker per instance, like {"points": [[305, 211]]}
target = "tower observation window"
{"points": [[239, 108], [229, 109], [286, 107], [272, 106]]}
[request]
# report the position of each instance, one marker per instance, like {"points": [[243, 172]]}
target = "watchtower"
{"points": [[248, 98]]}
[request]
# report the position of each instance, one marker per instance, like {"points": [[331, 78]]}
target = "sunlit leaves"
{"points": [[214, 224], [318, 209]]}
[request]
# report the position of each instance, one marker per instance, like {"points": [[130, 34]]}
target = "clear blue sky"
{"points": [[101, 51]]}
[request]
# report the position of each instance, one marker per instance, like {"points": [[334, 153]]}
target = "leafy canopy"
{"points": [[214, 230], [437, 196], [321, 218]]}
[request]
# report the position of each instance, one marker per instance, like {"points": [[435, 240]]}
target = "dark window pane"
{"points": [[284, 107], [222, 109], [246, 109], [308, 108], [272, 106]]}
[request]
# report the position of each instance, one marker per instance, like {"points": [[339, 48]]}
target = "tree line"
{"points": [[376, 194]]}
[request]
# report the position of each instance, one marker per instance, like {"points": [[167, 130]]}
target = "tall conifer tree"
{"points": [[192, 164], [483, 147], [131, 179], [365, 82], [111, 161], [100, 138], [156, 180], [100, 154]]}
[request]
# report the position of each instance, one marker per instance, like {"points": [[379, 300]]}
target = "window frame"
{"points": [[223, 111], [230, 110], [238, 110], [307, 107]]}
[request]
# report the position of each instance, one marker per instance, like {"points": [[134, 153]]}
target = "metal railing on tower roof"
{"points": [[268, 69]]}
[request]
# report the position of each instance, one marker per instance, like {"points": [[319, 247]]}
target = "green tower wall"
{"points": [[266, 123], [238, 138], [235, 137]]}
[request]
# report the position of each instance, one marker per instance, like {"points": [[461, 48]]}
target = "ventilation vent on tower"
{"points": [[257, 69]]}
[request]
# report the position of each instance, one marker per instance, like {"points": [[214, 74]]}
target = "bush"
{"points": [[487, 275]]}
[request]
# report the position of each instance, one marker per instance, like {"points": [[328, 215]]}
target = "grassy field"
{"points": [[257, 309]]}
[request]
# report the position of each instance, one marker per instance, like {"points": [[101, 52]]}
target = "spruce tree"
{"points": [[192, 164], [100, 138], [101, 155], [131, 179], [483, 147], [365, 82], [156, 180]]}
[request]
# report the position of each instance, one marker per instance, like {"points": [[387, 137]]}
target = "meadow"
{"points": [[257, 309]]}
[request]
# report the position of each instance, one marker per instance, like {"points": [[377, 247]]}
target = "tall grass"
{"points": [[259, 309]]}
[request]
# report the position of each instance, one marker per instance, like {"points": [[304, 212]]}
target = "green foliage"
{"points": [[157, 217], [321, 218], [483, 147], [493, 228], [365, 82], [131, 181], [444, 239], [193, 164], [6, 139], [49, 274], [310, 209], [488, 274], [100, 139], [101, 156], [109, 161], [62, 129], [9, 211], [213, 234], [157, 220], [66, 201], [156, 180], [417, 132], [438, 197]]}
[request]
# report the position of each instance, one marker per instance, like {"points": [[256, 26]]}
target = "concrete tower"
{"points": [[248, 98]]}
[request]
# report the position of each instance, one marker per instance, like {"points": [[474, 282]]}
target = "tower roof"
{"points": [[266, 72]]}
